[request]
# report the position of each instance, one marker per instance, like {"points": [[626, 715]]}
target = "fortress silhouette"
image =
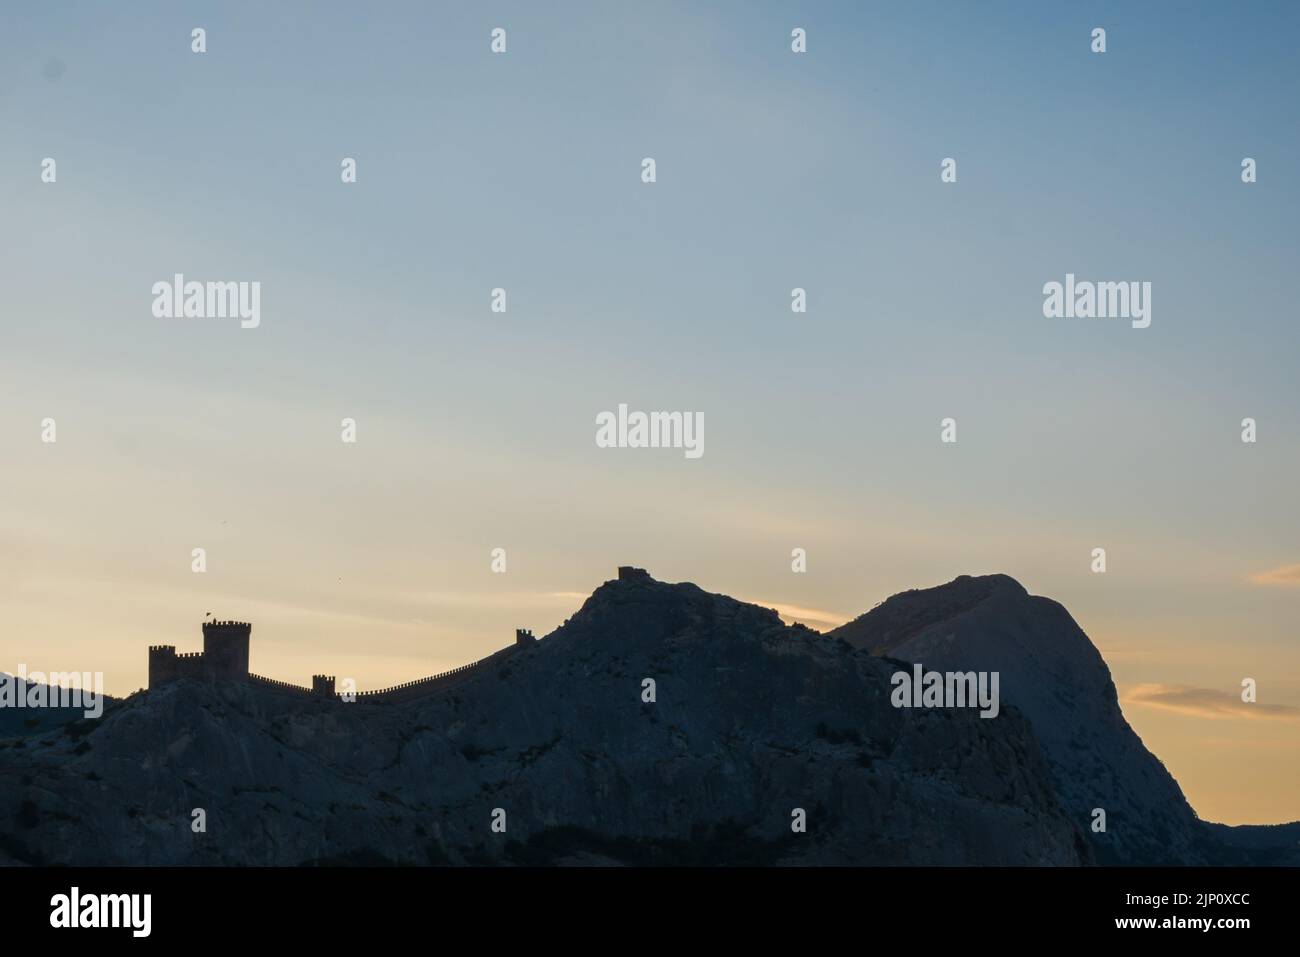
{"points": [[225, 658]]}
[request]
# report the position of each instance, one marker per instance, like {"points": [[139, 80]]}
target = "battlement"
{"points": [[226, 628], [524, 636], [322, 685], [424, 686], [162, 649], [627, 573], [279, 685]]}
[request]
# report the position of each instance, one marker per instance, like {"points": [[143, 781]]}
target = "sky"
{"points": [[774, 170]]}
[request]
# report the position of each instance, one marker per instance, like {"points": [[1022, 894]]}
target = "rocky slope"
{"points": [[751, 720], [1053, 674], [21, 722]]}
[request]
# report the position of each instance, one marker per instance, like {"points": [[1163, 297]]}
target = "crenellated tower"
{"points": [[162, 665], [225, 649]]}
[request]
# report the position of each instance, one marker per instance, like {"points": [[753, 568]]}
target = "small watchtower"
{"points": [[524, 636], [162, 665], [322, 686]]}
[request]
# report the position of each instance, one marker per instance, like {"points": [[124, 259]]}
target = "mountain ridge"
{"points": [[660, 724], [753, 724]]}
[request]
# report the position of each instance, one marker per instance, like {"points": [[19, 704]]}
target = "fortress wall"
{"points": [[165, 665], [279, 685], [190, 665], [423, 686]]}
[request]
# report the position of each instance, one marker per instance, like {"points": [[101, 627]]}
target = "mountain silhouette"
{"points": [[661, 724], [1053, 674], [754, 725]]}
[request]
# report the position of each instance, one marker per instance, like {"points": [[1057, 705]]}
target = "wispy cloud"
{"points": [[1287, 576], [806, 616], [1206, 703]]}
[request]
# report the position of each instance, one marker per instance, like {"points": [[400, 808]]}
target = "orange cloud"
{"points": [[1288, 576], [1206, 703]]}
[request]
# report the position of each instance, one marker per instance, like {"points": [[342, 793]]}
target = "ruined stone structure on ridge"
{"points": [[626, 573]]}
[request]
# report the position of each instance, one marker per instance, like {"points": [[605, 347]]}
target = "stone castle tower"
{"points": [[225, 649]]}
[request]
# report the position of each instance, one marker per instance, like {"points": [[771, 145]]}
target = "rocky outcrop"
{"points": [[1053, 674]]}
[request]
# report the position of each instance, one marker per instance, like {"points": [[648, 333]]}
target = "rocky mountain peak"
{"points": [[1055, 676]]}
